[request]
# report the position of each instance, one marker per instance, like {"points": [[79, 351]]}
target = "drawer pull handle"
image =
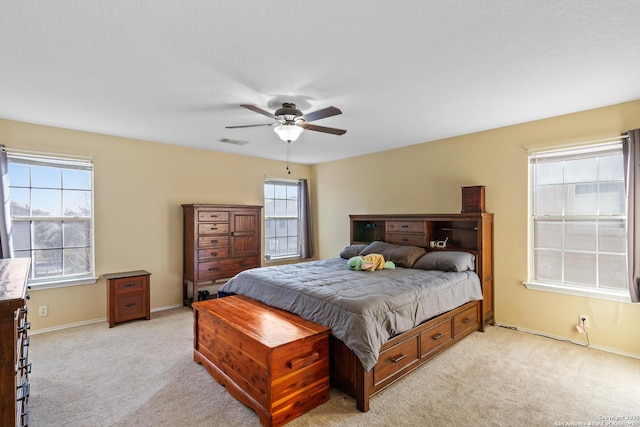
{"points": [[404, 226], [399, 358], [214, 228], [131, 304], [466, 320], [303, 361], [437, 337], [214, 241], [214, 253], [404, 239], [214, 269]]}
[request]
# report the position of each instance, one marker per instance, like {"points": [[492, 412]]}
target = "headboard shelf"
{"points": [[469, 232]]}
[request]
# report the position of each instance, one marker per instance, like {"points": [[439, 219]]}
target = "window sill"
{"points": [[40, 285], [610, 295]]}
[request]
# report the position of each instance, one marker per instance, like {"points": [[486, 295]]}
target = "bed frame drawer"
{"points": [[395, 359], [435, 337], [466, 321]]}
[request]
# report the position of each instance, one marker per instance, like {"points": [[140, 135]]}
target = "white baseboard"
{"points": [[89, 322], [580, 343]]}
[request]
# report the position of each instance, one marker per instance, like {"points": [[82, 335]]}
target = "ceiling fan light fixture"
{"points": [[288, 132]]}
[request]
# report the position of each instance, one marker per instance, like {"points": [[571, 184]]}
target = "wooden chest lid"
{"points": [[269, 326]]}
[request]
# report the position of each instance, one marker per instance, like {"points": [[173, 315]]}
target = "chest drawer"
{"points": [[212, 253], [222, 269], [213, 228], [207, 215], [465, 321], [213, 241], [395, 358], [434, 337]]}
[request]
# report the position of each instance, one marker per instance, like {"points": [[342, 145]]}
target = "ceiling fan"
{"points": [[290, 122]]}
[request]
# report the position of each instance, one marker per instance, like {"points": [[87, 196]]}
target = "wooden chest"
{"points": [[270, 360]]}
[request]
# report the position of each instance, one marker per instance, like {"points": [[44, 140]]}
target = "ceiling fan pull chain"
{"points": [[288, 157]]}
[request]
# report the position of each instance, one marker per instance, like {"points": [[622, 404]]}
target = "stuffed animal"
{"points": [[369, 262]]}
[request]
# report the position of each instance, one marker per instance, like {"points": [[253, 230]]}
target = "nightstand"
{"points": [[128, 296]]}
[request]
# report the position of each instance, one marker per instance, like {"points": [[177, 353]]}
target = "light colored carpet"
{"points": [[142, 373]]}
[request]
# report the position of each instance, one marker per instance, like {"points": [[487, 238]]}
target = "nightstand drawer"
{"points": [[130, 306], [130, 284]]}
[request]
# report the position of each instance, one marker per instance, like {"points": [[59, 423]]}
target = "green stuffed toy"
{"points": [[369, 262]]}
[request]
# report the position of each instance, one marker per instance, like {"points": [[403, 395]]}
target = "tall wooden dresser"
{"points": [[219, 242], [14, 342]]}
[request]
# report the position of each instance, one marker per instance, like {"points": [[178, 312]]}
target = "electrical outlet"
{"points": [[43, 310], [583, 320]]}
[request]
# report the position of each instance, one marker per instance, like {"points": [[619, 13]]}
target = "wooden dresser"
{"points": [[219, 242], [128, 296], [14, 342], [270, 360]]}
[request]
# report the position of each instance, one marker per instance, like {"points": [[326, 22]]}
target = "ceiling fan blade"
{"points": [[321, 114], [258, 110], [248, 126], [324, 129]]}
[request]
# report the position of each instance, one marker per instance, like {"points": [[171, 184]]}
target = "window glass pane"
{"points": [[548, 234], [46, 177], [280, 191], [612, 271], [269, 228], [76, 179], [548, 173], [612, 236], [581, 170], [581, 199], [292, 227], [292, 208], [548, 200], [580, 235], [269, 208], [280, 208], [269, 191], [47, 263], [20, 201], [76, 261], [46, 202], [548, 265], [292, 192], [281, 246], [19, 175], [21, 231], [281, 227], [292, 245], [610, 168], [76, 203], [47, 234], [580, 268], [76, 234], [612, 198]]}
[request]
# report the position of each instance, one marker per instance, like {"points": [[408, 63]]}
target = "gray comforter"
{"points": [[363, 309]]}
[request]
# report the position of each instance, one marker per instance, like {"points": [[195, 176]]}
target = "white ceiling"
{"points": [[402, 72]]}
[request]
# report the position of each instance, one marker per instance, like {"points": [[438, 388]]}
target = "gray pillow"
{"points": [[447, 261], [351, 251], [400, 255]]}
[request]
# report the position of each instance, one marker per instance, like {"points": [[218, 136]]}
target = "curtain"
{"points": [[306, 243], [631, 156], [6, 243]]}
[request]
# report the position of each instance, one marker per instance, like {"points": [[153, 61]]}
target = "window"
{"points": [[578, 221], [52, 218], [281, 219]]}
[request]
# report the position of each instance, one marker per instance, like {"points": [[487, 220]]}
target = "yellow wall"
{"points": [[139, 187], [426, 178]]}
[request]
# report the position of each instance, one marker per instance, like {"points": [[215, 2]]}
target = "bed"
{"points": [[384, 323]]}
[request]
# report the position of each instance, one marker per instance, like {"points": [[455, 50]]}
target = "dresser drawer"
{"points": [[206, 215], [212, 253], [213, 242], [395, 359], [407, 239], [465, 321], [222, 269], [213, 228], [406, 227], [436, 336], [129, 284]]}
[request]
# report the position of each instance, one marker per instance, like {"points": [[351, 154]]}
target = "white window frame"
{"points": [[621, 295], [55, 160], [284, 182]]}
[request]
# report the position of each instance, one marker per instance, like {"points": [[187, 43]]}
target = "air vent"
{"points": [[233, 141]]}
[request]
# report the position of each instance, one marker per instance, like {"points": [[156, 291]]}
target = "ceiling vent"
{"points": [[233, 141]]}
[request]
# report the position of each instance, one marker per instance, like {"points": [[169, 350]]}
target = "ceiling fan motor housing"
{"points": [[288, 112]]}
